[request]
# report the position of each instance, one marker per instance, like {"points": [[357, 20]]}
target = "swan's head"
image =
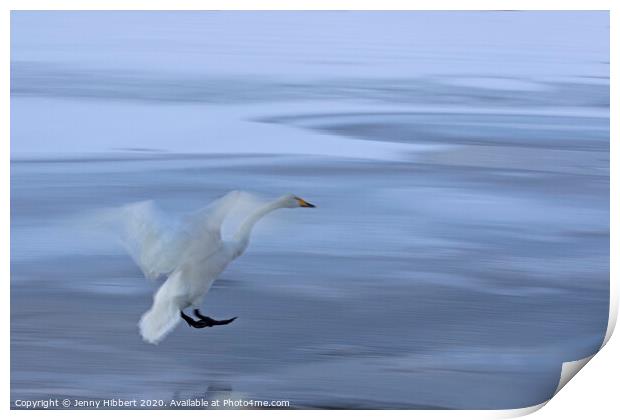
{"points": [[292, 201]]}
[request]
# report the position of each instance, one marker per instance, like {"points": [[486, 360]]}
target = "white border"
{"points": [[310, 5], [595, 387]]}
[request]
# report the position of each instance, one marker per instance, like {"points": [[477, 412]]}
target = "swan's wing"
{"points": [[201, 230], [151, 238], [159, 243], [208, 220]]}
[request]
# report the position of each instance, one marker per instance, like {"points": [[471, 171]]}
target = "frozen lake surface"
{"points": [[458, 254]]}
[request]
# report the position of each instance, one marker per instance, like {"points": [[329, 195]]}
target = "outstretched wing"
{"points": [[207, 221], [159, 243], [151, 238]]}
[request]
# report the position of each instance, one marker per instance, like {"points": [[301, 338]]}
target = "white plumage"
{"points": [[190, 251]]}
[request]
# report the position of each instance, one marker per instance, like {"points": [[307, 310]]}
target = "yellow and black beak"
{"points": [[304, 203]]}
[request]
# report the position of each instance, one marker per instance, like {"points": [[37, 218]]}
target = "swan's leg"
{"points": [[212, 321], [204, 321], [193, 323], [190, 321]]}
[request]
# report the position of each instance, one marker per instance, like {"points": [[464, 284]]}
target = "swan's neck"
{"points": [[242, 237]]}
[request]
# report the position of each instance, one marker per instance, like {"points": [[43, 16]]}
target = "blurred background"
{"points": [[459, 252]]}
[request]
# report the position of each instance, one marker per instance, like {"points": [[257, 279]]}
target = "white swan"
{"points": [[191, 252]]}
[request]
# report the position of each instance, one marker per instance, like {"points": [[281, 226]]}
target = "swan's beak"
{"points": [[304, 203]]}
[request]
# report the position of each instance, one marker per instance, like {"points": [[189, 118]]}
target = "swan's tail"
{"points": [[158, 321]]}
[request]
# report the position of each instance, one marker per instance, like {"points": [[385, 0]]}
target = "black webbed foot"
{"points": [[212, 321], [204, 321], [191, 321]]}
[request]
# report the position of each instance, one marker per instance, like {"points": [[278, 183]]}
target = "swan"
{"points": [[191, 253]]}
